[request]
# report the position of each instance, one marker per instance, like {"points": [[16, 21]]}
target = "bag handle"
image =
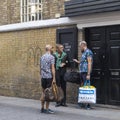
{"points": [[54, 87], [87, 83]]}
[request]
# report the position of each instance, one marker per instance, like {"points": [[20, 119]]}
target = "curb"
{"points": [[107, 106]]}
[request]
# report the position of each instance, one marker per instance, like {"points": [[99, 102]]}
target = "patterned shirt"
{"points": [[84, 62], [46, 61]]}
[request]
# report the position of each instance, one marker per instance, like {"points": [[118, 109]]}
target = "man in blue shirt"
{"points": [[85, 64]]}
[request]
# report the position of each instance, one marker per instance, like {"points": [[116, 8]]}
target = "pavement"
{"points": [[27, 109]]}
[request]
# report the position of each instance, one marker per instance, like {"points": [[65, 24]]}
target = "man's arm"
{"points": [[77, 61], [89, 59], [53, 68], [53, 72]]}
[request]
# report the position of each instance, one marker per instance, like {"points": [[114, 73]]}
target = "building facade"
{"points": [[22, 42], [17, 11], [28, 25]]}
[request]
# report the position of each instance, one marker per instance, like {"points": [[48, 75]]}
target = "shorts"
{"points": [[46, 82]]}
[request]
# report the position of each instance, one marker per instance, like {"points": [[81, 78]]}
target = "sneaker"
{"points": [[81, 105], [65, 105], [88, 107], [49, 111], [58, 105], [43, 110]]}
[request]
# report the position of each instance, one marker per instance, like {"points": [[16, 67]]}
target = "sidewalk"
{"points": [[72, 110]]}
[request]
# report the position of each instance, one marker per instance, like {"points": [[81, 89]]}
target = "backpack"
{"points": [[73, 77]]}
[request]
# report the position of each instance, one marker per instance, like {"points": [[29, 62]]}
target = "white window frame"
{"points": [[31, 10]]}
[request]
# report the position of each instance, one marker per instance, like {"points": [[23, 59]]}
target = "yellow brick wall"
{"points": [[19, 61], [3, 12], [52, 7], [20, 51], [9, 11]]}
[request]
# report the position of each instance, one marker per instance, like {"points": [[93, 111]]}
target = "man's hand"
{"points": [[88, 77], [54, 81], [75, 60], [62, 65]]}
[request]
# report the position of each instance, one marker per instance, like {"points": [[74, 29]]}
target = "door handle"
{"points": [[115, 73], [103, 56], [103, 73]]}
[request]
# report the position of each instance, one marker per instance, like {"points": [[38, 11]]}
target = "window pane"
{"points": [[33, 1], [23, 10], [22, 18], [25, 2], [33, 18], [39, 16], [36, 17], [22, 2], [29, 18], [25, 18]]}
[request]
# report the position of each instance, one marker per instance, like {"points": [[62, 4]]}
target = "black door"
{"points": [[105, 44], [113, 50], [68, 38]]}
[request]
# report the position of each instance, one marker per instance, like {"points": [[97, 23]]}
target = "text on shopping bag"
{"points": [[86, 91]]}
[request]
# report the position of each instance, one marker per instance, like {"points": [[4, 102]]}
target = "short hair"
{"points": [[48, 47], [58, 45], [83, 42]]}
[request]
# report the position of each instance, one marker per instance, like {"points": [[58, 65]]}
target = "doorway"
{"points": [[105, 44]]}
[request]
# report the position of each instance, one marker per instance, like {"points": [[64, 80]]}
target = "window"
{"points": [[31, 10]]}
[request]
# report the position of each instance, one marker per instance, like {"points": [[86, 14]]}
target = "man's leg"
{"points": [[47, 105], [87, 105], [58, 84], [48, 111], [83, 81], [42, 102], [48, 84], [43, 84], [63, 86]]}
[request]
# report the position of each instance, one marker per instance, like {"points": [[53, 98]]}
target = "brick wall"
{"points": [[9, 11], [52, 7], [20, 51], [3, 12], [13, 11], [19, 63]]}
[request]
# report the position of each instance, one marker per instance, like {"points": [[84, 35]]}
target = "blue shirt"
{"points": [[45, 64], [84, 62]]}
